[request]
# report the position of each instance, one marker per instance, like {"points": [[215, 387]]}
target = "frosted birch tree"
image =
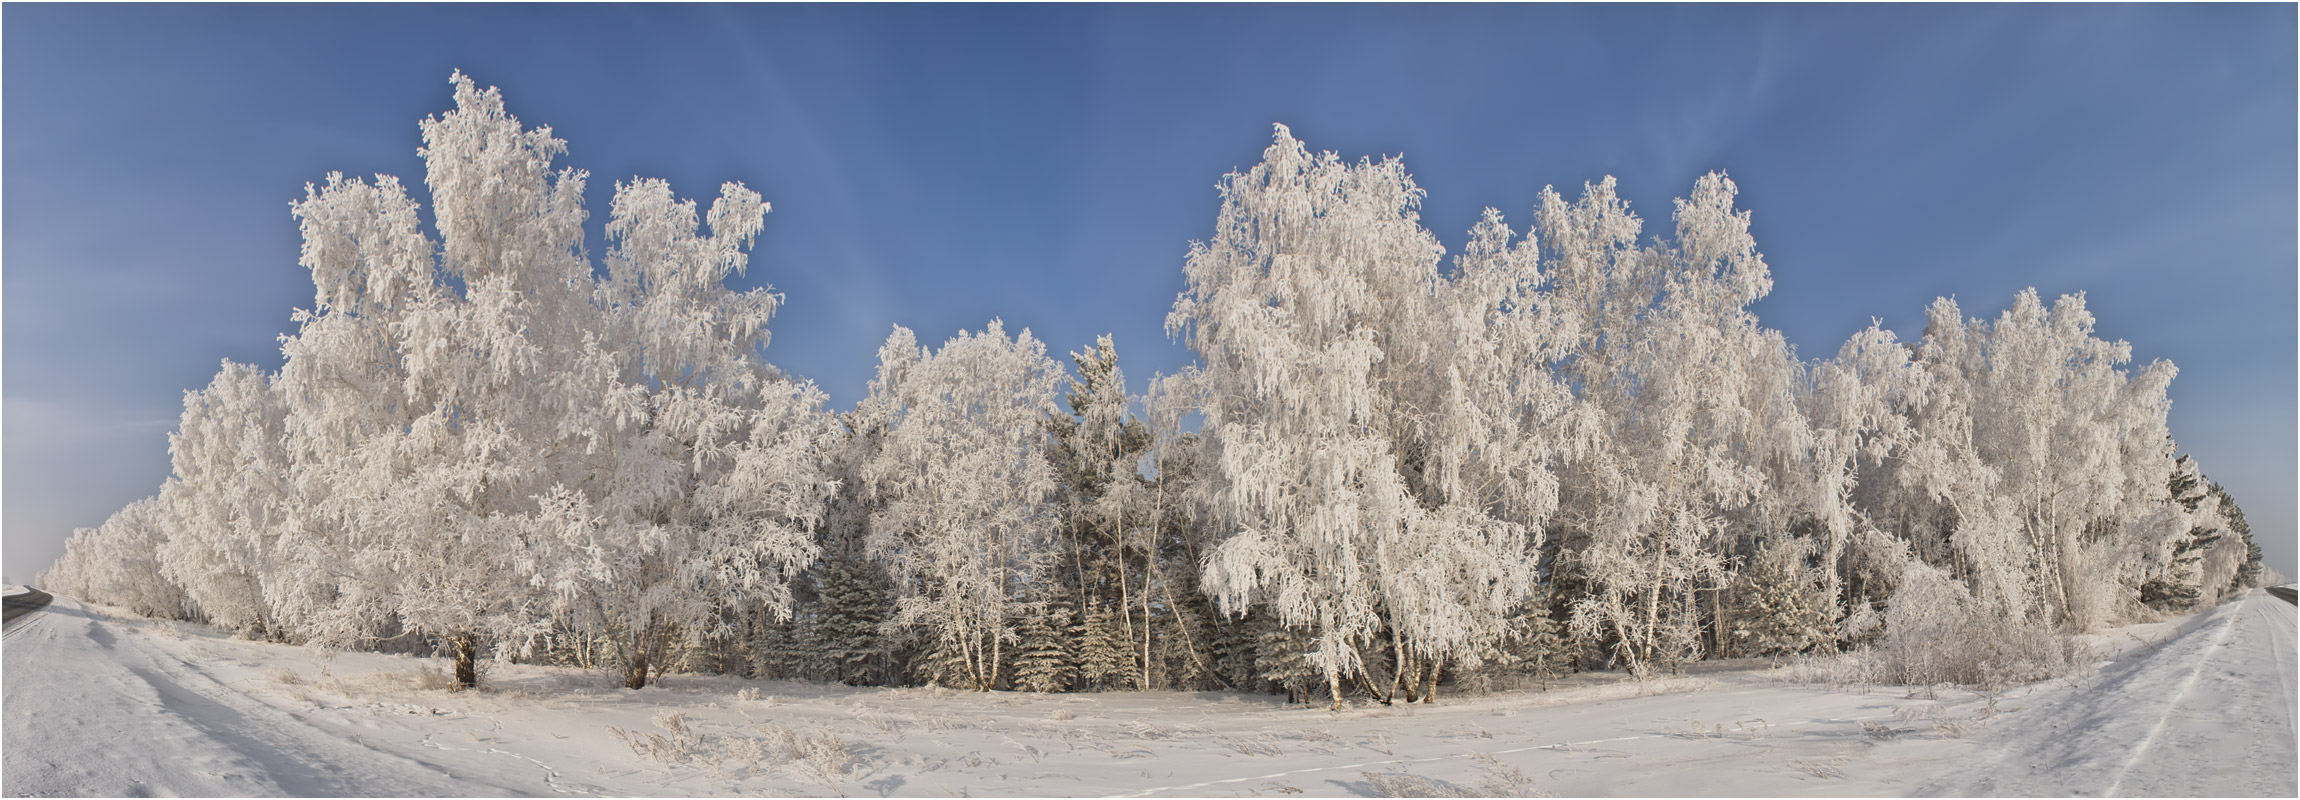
{"points": [[346, 386], [1697, 400], [429, 389], [1308, 310], [118, 563], [1862, 441], [704, 473], [230, 499], [2081, 449], [966, 520]]}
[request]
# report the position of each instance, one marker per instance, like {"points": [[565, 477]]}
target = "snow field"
{"points": [[212, 715]]}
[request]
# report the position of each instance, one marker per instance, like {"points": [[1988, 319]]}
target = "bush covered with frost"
{"points": [[1937, 632]]}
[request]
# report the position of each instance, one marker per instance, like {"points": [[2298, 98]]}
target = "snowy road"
{"points": [[2208, 713], [22, 602], [97, 708], [102, 705]]}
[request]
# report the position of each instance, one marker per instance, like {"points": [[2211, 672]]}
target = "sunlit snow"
{"points": [[100, 703]]}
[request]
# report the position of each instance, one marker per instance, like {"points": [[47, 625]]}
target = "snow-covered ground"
{"points": [[101, 704]]}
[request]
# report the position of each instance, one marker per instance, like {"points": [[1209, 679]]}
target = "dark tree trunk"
{"points": [[635, 674], [466, 661]]}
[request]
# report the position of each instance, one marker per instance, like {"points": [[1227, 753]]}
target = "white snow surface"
{"points": [[99, 703]]}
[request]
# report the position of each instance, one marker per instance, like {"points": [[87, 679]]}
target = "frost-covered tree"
{"points": [[1859, 475], [1043, 658], [489, 444], [2245, 572], [1099, 639], [118, 563], [1696, 409], [705, 466], [2182, 583], [1780, 607], [347, 386], [2074, 448], [455, 500], [230, 497], [1309, 309], [1107, 550], [962, 476]]}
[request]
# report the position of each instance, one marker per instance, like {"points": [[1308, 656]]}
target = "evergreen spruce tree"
{"points": [[1230, 646], [779, 652], [2247, 574], [1184, 643], [846, 639], [940, 663], [1531, 649], [1043, 661], [2177, 587], [1779, 607], [1541, 643], [1282, 660], [1096, 449], [1103, 662]]}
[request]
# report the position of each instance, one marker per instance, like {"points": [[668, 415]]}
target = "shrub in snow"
{"points": [[1937, 632]]}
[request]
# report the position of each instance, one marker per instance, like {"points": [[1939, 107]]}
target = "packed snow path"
{"points": [[96, 704]]}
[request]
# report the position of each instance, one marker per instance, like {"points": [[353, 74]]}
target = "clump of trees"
{"points": [[1570, 446]]}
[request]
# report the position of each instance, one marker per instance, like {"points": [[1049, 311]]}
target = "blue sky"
{"points": [[938, 166]]}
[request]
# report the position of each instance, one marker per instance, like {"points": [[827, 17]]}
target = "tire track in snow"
{"points": [[300, 757], [2283, 656], [2196, 671]]}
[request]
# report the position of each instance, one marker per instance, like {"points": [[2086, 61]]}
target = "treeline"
{"points": [[1387, 474]]}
